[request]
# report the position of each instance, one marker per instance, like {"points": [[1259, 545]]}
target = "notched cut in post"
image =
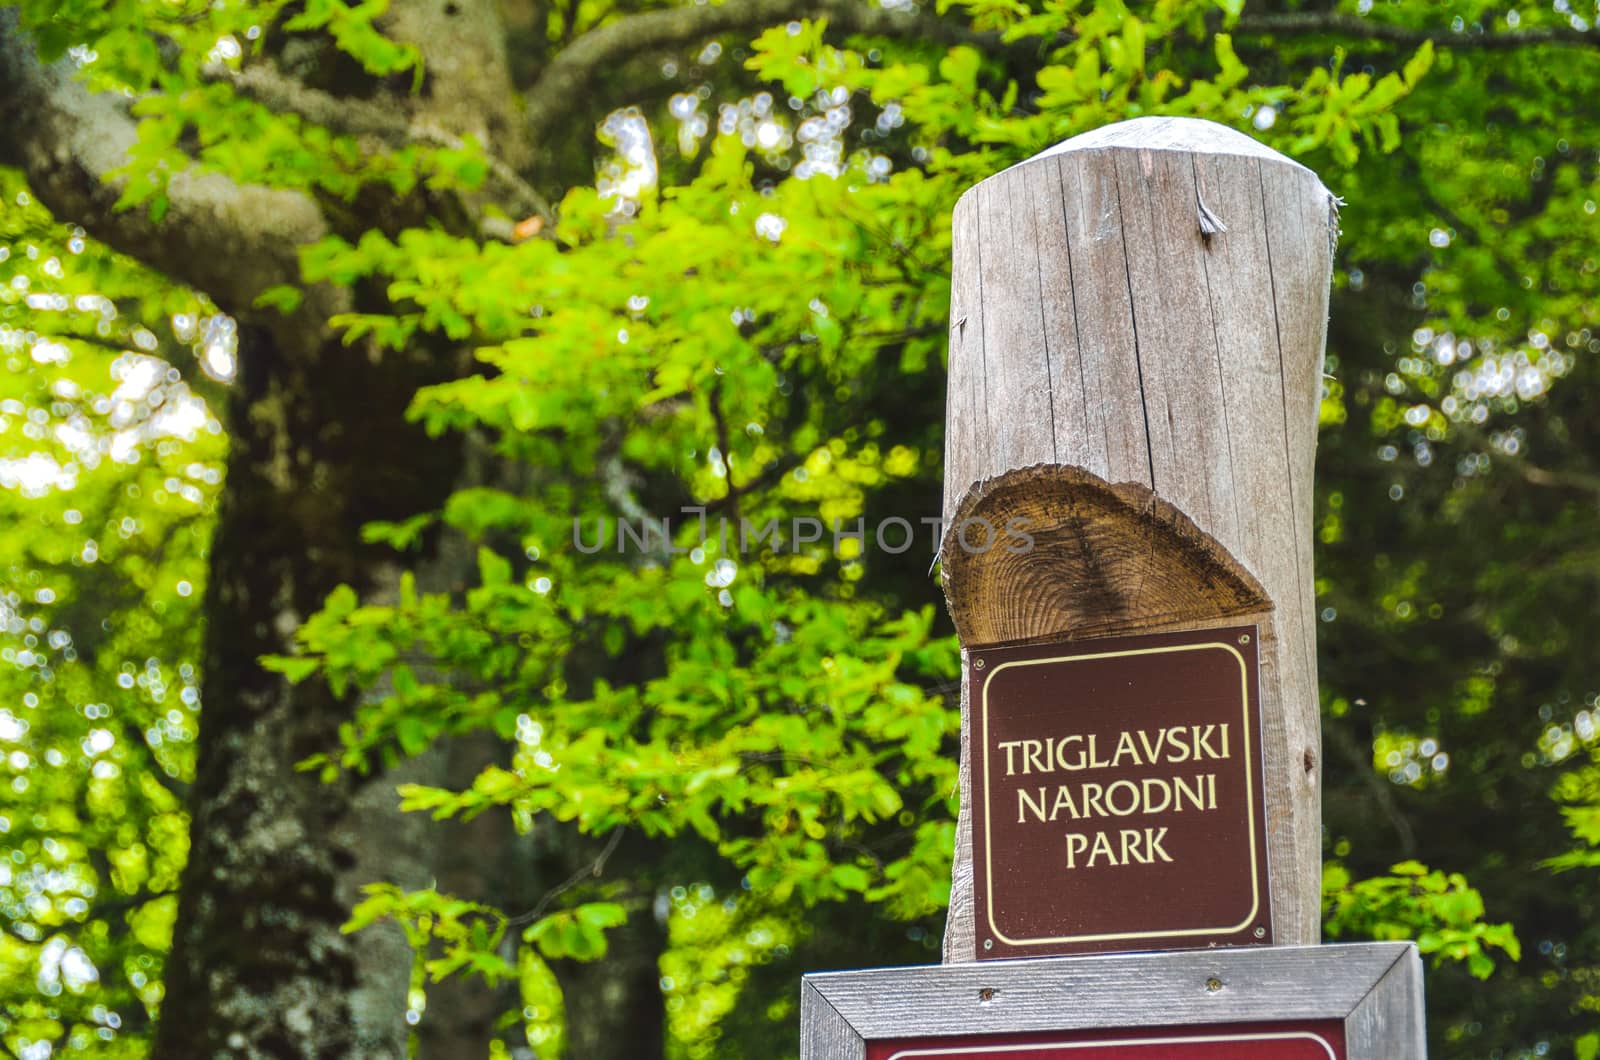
{"points": [[1056, 552]]}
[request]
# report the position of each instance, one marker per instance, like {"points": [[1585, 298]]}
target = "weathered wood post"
{"points": [[1136, 339], [1136, 331]]}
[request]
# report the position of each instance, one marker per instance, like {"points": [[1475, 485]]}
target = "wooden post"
{"points": [[1136, 337], [1137, 322]]}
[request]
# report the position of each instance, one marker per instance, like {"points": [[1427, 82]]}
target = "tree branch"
{"points": [[136, 737], [391, 126], [582, 66], [591, 870], [126, 903], [1576, 480], [1379, 786], [1580, 481], [266, 85], [231, 240], [1307, 22]]}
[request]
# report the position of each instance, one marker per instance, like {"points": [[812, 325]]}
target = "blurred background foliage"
{"points": [[729, 765]]}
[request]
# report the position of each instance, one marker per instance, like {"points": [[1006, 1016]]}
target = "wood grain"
{"points": [[1372, 988], [1389, 1021], [1103, 559], [1136, 353], [826, 1034]]}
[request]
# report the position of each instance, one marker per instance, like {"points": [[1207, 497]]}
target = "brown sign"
{"points": [[1118, 795]]}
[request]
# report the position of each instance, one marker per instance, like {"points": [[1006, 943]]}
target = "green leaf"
{"points": [[295, 667], [402, 536], [1419, 64], [493, 569], [282, 297]]}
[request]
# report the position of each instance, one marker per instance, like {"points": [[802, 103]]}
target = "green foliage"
{"points": [[1438, 910], [578, 933], [110, 462], [468, 934], [717, 945], [351, 28]]}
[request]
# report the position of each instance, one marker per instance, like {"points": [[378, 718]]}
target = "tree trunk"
{"points": [[320, 446], [259, 967]]}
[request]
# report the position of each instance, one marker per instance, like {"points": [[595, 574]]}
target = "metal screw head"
{"points": [[1261, 932], [988, 944], [1244, 638], [978, 664], [1213, 984]]}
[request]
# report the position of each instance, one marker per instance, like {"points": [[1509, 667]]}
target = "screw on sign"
{"points": [[1313, 1040]]}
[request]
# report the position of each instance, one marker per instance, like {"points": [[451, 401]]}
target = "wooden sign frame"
{"points": [[1373, 989]]}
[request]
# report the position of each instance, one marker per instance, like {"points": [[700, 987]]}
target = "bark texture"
{"points": [[259, 966], [320, 447]]}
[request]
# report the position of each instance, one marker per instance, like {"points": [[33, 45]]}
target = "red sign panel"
{"points": [[1117, 791], [1315, 1040]]}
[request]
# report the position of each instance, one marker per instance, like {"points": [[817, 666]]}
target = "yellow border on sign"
{"points": [[1285, 1036], [1250, 794]]}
